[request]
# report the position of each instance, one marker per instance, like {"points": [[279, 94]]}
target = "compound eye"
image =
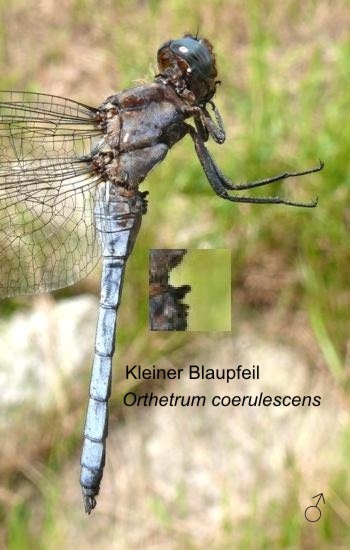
{"points": [[195, 54]]}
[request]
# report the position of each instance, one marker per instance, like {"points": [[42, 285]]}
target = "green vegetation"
{"points": [[209, 310]]}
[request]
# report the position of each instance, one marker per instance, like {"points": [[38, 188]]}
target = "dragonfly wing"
{"points": [[47, 188]]}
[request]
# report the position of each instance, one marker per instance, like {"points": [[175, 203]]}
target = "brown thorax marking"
{"points": [[106, 162], [104, 115], [107, 165]]}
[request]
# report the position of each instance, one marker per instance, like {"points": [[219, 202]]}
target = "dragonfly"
{"points": [[69, 194], [166, 308]]}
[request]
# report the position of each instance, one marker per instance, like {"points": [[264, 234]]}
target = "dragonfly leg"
{"points": [[205, 126], [216, 129], [221, 185]]}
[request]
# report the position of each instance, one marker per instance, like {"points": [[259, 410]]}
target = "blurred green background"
{"points": [[208, 272], [285, 73]]}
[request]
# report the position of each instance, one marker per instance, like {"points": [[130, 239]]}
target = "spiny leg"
{"points": [[221, 184], [205, 126], [266, 181]]}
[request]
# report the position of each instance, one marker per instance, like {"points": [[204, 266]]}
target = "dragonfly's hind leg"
{"points": [[221, 184]]}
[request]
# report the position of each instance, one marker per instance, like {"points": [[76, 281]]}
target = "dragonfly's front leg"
{"points": [[221, 184], [205, 126]]}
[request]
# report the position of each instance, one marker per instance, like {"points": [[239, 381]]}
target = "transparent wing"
{"points": [[47, 189]]}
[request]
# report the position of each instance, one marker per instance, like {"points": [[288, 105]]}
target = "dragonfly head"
{"points": [[189, 65]]}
